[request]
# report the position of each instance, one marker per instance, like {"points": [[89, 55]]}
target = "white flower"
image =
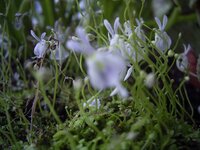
{"points": [[162, 40], [112, 31], [81, 44], [182, 60], [42, 45], [121, 48], [106, 70], [138, 30], [118, 45]]}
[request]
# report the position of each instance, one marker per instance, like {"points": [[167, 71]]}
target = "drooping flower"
{"points": [[42, 45], [162, 40]]}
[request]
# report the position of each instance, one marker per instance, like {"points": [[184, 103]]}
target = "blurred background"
{"points": [[18, 17]]}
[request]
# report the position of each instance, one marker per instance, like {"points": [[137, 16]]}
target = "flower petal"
{"points": [[130, 70], [114, 92], [165, 19], [74, 45], [43, 35], [109, 27], [116, 25], [35, 36], [84, 40], [158, 23]]}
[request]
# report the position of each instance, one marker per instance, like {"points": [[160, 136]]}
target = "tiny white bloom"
{"points": [[42, 45], [162, 40], [182, 60]]}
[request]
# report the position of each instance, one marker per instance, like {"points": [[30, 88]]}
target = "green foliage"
{"points": [[149, 119]]}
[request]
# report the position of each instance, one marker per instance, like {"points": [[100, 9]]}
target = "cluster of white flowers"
{"points": [[107, 69], [108, 66]]}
